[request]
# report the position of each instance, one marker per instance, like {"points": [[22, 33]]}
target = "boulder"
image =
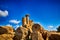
{"points": [[54, 37], [37, 27], [6, 33], [37, 36], [21, 33]]}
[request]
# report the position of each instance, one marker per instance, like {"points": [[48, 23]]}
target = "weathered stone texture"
{"points": [[21, 33], [6, 33], [37, 36]]}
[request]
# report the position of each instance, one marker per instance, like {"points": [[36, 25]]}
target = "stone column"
{"points": [[27, 19], [23, 21]]}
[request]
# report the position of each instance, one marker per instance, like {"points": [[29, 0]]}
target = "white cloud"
{"points": [[16, 26], [9, 25], [50, 27], [3, 13], [14, 21]]}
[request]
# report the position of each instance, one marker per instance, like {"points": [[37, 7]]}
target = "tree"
{"points": [[58, 29]]}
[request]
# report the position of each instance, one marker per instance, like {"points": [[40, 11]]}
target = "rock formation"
{"points": [[28, 31], [36, 36], [6, 33], [21, 33], [54, 37]]}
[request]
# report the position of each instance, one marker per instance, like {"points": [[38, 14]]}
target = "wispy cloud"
{"points": [[16, 26], [50, 27], [3, 13], [9, 25], [15, 21]]}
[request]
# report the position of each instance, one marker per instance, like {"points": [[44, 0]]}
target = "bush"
{"points": [[58, 29]]}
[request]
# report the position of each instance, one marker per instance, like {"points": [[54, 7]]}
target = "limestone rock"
{"points": [[37, 27], [6, 37], [21, 33], [6, 33], [6, 29], [54, 37], [3, 30], [37, 36]]}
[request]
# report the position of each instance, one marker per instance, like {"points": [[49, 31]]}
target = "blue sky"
{"points": [[45, 12]]}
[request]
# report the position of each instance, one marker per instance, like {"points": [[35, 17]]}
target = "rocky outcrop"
{"points": [[38, 33], [21, 33], [54, 36], [28, 31], [6, 33], [37, 36]]}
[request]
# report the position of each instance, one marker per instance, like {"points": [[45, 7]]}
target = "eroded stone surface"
{"points": [[6, 33], [22, 33]]}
